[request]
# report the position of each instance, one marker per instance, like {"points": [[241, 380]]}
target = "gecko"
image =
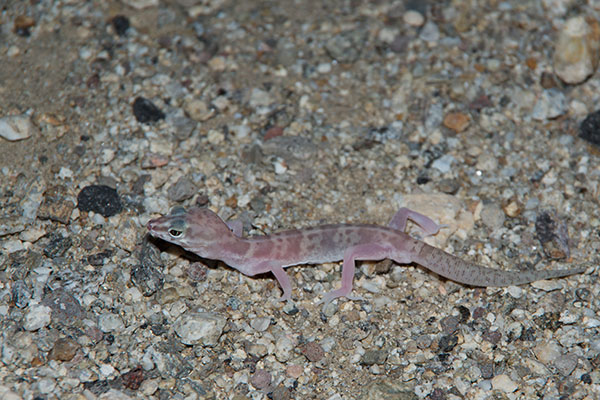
{"points": [[203, 232]]}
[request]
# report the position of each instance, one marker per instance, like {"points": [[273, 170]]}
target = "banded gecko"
{"points": [[203, 232]]}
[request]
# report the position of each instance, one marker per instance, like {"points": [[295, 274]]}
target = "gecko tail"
{"points": [[470, 273]]}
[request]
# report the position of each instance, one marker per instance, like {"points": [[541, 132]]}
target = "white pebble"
{"points": [[203, 327], [16, 127], [414, 18], [109, 322], [37, 317], [504, 383]]}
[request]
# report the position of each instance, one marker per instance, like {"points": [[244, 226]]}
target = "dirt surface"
{"points": [[287, 115]]}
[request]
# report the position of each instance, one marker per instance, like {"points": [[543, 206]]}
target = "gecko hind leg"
{"points": [[402, 216]]}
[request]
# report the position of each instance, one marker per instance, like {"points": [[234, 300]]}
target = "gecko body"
{"points": [[204, 233]]}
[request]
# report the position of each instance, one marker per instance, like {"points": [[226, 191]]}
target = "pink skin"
{"points": [[201, 231]]}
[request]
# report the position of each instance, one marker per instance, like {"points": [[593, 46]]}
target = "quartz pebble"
{"points": [[38, 316], [199, 328], [577, 49], [17, 127]]}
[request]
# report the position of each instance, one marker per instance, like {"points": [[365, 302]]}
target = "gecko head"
{"points": [[196, 229]]}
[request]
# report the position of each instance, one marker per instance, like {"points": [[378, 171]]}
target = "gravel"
{"points": [[284, 115]]}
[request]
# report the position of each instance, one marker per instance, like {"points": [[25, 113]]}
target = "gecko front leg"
{"points": [[402, 216]]}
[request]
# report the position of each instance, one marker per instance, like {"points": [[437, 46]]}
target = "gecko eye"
{"points": [[175, 233], [177, 229]]}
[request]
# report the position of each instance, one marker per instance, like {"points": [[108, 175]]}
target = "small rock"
{"points": [[146, 111], [260, 324], [23, 24], [37, 317], [372, 357], [283, 348], [566, 363], [346, 47], [147, 276], [57, 245], [21, 294], [456, 121], [198, 110], [46, 385], [577, 50], [133, 379], [120, 24], [550, 105], [553, 235], [200, 328], [430, 32], [261, 379], [260, 98], [65, 308], [548, 351], [100, 199], [313, 351], [17, 127], [492, 216], [589, 130], [56, 206], [182, 190], [449, 324], [413, 18], [447, 343], [504, 383], [109, 322], [64, 349], [548, 285], [444, 163]]}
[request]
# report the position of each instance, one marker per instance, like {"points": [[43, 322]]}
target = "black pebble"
{"points": [[100, 199], [145, 111], [589, 129], [121, 24], [57, 245]]}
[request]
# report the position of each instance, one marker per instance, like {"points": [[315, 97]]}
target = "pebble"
{"points": [[38, 316], [313, 351], [260, 98], [200, 328], [551, 104], [444, 163], [283, 348], [456, 121], [261, 379], [566, 363], [198, 110], [492, 216], [430, 32], [504, 383], [64, 349], [120, 24], [66, 309], [548, 351], [413, 18], [577, 49], [589, 129], [182, 190], [17, 127], [553, 235], [100, 199], [109, 322], [260, 324], [146, 111], [57, 245], [46, 385], [147, 278]]}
